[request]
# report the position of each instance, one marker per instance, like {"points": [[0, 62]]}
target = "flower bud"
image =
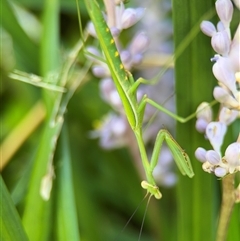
{"points": [[110, 94], [125, 56], [220, 171], [115, 31], [213, 157], [119, 127], [204, 111], [93, 52], [220, 26], [115, 99], [169, 179], [201, 125], [224, 10], [130, 16], [221, 43], [200, 154], [139, 43], [137, 59], [208, 28], [100, 71], [91, 30], [106, 87]]}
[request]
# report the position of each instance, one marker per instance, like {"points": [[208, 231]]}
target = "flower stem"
{"points": [[228, 200]]}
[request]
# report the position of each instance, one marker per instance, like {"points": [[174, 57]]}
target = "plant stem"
{"points": [[228, 200]]}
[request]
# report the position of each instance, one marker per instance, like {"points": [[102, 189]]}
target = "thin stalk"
{"points": [[228, 201]]}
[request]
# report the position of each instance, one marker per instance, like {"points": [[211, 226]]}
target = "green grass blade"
{"points": [[37, 213], [11, 228], [67, 222], [26, 51], [37, 217], [194, 84], [20, 189], [49, 55]]}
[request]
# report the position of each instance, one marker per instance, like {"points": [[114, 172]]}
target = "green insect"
{"points": [[127, 88]]}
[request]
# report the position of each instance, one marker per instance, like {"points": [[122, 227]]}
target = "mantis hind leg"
{"points": [[180, 156]]}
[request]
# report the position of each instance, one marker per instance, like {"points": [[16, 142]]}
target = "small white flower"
{"points": [[234, 54], [112, 132], [227, 115], [227, 93], [215, 132], [232, 155], [224, 73], [224, 96]]}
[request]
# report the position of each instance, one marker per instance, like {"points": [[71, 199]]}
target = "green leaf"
{"points": [[194, 84], [27, 51], [67, 222], [37, 213], [11, 228], [37, 217], [49, 54]]}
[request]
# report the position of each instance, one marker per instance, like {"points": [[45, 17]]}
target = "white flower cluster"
{"points": [[226, 69]]}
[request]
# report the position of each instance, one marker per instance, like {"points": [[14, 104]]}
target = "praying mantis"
{"points": [[127, 89]]}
